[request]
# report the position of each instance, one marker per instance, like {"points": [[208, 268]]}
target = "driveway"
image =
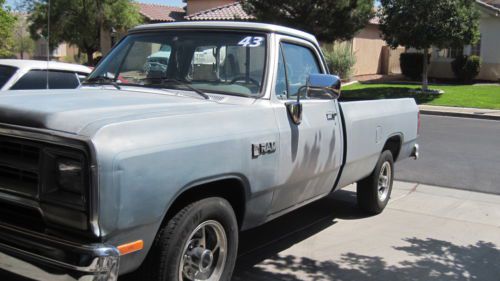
{"points": [[426, 233]]}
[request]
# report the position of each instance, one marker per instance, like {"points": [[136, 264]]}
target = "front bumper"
{"points": [[39, 257]]}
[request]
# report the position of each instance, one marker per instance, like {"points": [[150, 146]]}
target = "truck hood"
{"points": [[72, 111]]}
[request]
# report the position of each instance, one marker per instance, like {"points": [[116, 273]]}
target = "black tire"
{"points": [[368, 196], [164, 258]]}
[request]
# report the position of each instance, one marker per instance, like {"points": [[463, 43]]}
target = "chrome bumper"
{"points": [[39, 257], [414, 152]]}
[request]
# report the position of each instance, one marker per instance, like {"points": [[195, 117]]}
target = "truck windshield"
{"points": [[6, 73], [209, 61]]}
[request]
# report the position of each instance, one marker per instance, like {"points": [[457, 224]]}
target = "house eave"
{"points": [[490, 9]]}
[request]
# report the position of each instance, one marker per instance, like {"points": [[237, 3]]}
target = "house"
{"points": [[488, 47], [373, 56]]}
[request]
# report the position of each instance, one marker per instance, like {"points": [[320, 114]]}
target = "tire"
{"points": [[179, 240], [373, 192]]}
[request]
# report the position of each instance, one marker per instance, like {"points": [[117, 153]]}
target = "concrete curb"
{"points": [[459, 114], [464, 112], [349, 83]]}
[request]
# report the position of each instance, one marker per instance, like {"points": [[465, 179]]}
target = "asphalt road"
{"points": [[460, 153]]}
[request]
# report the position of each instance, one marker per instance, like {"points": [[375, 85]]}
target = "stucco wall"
{"points": [[194, 6], [489, 27], [367, 46], [490, 48]]}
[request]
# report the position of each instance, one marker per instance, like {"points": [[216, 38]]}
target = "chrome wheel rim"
{"points": [[384, 181], [205, 253]]}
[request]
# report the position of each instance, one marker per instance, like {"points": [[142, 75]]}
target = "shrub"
{"points": [[340, 60], [466, 68], [412, 65]]}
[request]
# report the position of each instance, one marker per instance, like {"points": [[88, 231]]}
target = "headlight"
{"points": [[65, 191], [70, 175]]}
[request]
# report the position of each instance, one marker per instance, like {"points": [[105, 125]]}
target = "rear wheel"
{"points": [[374, 191], [199, 243]]}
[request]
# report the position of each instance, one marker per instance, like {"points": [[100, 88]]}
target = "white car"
{"points": [[32, 75]]}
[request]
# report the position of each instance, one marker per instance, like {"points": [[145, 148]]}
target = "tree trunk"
{"points": [[425, 77], [90, 58]]}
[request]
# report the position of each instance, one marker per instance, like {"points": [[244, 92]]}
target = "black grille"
{"points": [[19, 167], [21, 216]]}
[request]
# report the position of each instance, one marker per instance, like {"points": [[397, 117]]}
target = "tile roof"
{"points": [[233, 11], [161, 13]]}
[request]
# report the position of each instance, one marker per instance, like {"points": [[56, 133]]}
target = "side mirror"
{"points": [[294, 109], [323, 86]]}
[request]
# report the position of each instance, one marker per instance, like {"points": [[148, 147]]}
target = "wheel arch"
{"points": [[234, 188], [394, 143]]}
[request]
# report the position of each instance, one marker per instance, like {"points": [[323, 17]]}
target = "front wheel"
{"points": [[374, 191], [199, 243]]}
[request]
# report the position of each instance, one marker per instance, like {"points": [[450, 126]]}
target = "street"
{"points": [[460, 153]]}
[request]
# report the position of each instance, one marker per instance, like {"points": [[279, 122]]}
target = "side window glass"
{"points": [[33, 80], [37, 80], [281, 82], [300, 63], [63, 80]]}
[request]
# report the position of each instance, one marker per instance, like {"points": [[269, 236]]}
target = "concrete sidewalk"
{"points": [[426, 233], [490, 114]]}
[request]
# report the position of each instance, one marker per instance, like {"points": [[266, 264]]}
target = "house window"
{"points": [[475, 49], [450, 53]]}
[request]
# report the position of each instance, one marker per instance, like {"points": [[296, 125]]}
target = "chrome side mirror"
{"points": [[323, 86], [294, 109]]}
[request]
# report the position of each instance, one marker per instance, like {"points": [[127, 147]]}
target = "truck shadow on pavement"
{"points": [[425, 259]]}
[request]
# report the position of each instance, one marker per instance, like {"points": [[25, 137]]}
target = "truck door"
{"points": [[311, 152]]}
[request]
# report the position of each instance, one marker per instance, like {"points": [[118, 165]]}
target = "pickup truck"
{"points": [[156, 170]]}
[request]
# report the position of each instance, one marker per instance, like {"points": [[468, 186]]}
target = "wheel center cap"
{"points": [[206, 261], [202, 259]]}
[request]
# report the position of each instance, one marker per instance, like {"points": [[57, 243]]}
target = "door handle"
{"points": [[331, 116]]}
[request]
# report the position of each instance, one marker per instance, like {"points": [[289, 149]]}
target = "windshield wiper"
{"points": [[102, 81], [179, 82]]}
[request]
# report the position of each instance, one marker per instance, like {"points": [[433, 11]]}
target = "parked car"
{"points": [[159, 174], [32, 75]]}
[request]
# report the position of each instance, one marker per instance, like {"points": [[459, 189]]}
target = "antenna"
{"points": [[48, 44]]}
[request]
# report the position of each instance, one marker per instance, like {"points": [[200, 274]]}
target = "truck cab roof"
{"points": [[224, 25]]}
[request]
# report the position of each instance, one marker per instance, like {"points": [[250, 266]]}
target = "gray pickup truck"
{"points": [[155, 166]]}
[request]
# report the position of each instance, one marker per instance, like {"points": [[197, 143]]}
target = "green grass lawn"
{"points": [[487, 96]]}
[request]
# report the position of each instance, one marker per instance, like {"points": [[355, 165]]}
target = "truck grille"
{"points": [[19, 167]]}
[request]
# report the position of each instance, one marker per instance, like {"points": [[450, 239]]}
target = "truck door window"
{"points": [[300, 62], [281, 88]]}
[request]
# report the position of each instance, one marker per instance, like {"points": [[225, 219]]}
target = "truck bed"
{"points": [[367, 127]]}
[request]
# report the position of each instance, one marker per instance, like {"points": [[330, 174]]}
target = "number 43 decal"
{"points": [[251, 41]]}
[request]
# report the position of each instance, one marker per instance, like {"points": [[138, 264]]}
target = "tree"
{"points": [[22, 42], [7, 22], [329, 20], [426, 23], [80, 22]]}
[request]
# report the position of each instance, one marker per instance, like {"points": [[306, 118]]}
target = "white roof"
{"points": [[228, 25], [37, 64]]}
